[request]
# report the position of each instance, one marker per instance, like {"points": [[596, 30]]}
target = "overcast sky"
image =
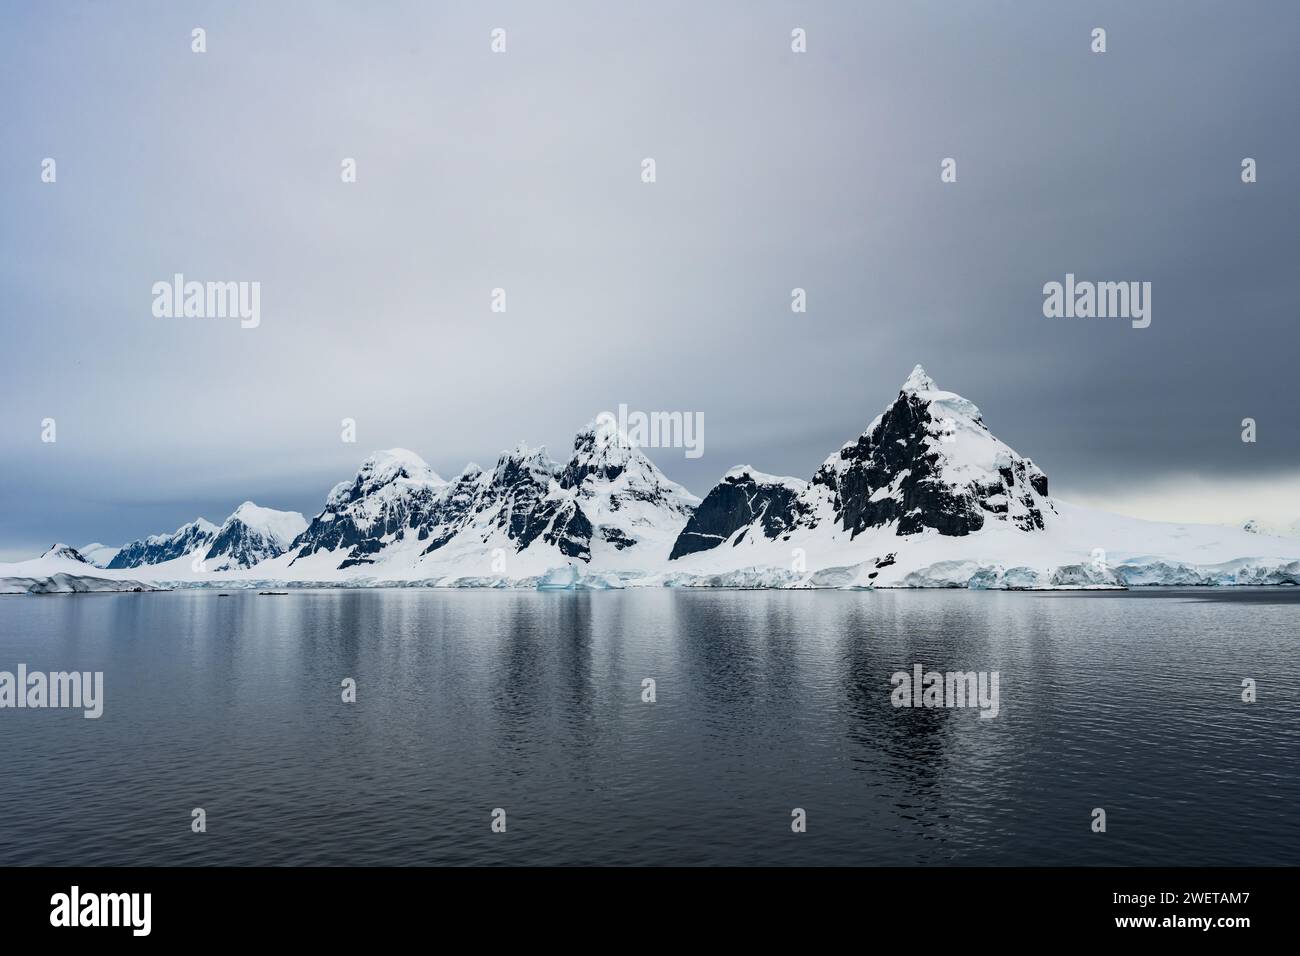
{"points": [[522, 170]]}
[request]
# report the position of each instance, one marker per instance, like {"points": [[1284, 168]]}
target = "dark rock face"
{"points": [[738, 502], [234, 541], [898, 455], [615, 537], [588, 459], [519, 485], [457, 506], [65, 551], [159, 548], [340, 527], [571, 532], [526, 498], [365, 518], [244, 546], [392, 495], [897, 445], [901, 472]]}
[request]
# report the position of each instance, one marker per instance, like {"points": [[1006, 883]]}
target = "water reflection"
{"points": [[765, 702]]}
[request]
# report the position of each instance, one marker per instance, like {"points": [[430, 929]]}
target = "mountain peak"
{"points": [[390, 463], [919, 381], [524, 452], [601, 449], [524, 460], [61, 550], [750, 473], [379, 470], [929, 461], [157, 548], [280, 526]]}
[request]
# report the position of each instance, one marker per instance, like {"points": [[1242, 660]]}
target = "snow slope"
{"points": [[99, 554], [252, 535], [61, 569]]}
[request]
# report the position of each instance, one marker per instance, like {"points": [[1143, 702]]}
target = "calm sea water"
{"points": [[767, 701]]}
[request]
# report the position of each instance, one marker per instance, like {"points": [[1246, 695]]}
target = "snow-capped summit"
{"points": [[601, 454], [623, 502], [607, 498], [382, 469], [918, 381], [522, 461], [66, 552], [253, 534], [600, 450], [158, 548], [393, 463], [928, 462], [391, 494]]}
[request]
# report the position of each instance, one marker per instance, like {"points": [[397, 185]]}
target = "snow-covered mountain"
{"points": [[925, 496], [158, 548], [393, 495], [614, 502], [927, 463], [64, 552], [252, 535], [607, 504]]}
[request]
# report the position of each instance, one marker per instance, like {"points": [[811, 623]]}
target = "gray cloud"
{"points": [[521, 171]]}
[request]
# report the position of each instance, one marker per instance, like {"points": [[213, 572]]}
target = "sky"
{"points": [[522, 170]]}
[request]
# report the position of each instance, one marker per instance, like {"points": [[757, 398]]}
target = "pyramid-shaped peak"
{"points": [[62, 550], [603, 451], [919, 381]]}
